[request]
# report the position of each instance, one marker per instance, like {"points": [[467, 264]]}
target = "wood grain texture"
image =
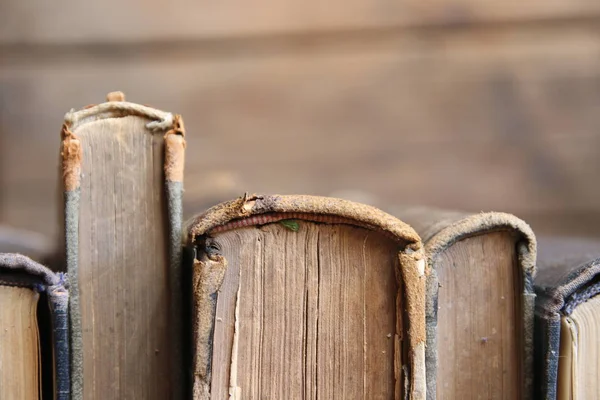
{"points": [[472, 112], [19, 344], [316, 309], [479, 323], [123, 268], [35, 21]]}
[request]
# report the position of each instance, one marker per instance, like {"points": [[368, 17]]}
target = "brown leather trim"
{"points": [[249, 205]]}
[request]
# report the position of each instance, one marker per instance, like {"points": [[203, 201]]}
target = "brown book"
{"points": [[33, 331], [479, 303], [568, 319], [306, 297], [122, 174]]}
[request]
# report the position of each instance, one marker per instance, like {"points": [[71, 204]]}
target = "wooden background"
{"points": [[474, 105]]}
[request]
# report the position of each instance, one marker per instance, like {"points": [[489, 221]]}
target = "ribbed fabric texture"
{"points": [[72, 245]]}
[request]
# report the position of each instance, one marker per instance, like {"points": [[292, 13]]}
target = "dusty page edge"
{"points": [[413, 279]]}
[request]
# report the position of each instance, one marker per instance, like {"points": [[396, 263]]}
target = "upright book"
{"points": [[34, 347], [122, 167], [306, 297], [568, 319], [480, 303]]}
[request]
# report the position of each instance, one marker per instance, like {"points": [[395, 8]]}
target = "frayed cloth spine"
{"points": [[58, 298], [19, 262], [71, 155], [74, 316], [175, 151]]}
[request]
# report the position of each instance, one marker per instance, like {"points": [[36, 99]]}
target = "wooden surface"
{"points": [[388, 105], [123, 267], [316, 313], [19, 344], [479, 324], [112, 21]]}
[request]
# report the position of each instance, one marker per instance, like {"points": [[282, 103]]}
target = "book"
{"points": [[305, 297], [480, 303], [122, 172], [34, 346], [568, 319]]}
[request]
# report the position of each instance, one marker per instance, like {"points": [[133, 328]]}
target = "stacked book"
{"points": [[283, 297]]}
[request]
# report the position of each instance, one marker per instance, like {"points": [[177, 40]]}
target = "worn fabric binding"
{"points": [[440, 230], [71, 156], [254, 209], [41, 278]]}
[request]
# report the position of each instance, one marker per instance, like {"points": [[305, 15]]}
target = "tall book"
{"points": [[568, 319], [480, 303], [306, 297], [122, 170], [34, 346]]}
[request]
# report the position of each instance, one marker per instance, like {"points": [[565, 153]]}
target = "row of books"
{"points": [[281, 296]]}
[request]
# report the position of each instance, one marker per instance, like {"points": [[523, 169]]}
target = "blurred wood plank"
{"points": [[502, 119], [71, 21]]}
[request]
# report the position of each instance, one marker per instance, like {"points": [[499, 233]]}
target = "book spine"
{"points": [[547, 348], [58, 298], [174, 166], [71, 154]]}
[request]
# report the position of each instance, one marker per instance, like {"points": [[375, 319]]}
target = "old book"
{"points": [[568, 319], [306, 297], [34, 347], [122, 167], [479, 303]]}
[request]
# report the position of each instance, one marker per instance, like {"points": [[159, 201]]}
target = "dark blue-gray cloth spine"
{"points": [[547, 348], [58, 297]]}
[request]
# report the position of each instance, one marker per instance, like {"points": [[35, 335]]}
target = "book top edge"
{"points": [[569, 269], [440, 229], [19, 270], [171, 125], [248, 206], [159, 121]]}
